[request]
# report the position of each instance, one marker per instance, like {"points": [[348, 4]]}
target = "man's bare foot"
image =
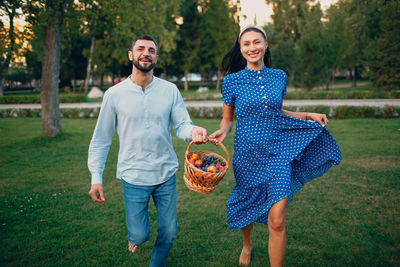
{"points": [[245, 256], [131, 247]]}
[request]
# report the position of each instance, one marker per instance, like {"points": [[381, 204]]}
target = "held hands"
{"points": [[96, 193], [218, 137], [199, 135], [317, 117]]}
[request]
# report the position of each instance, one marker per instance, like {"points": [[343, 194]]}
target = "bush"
{"points": [[346, 112], [35, 99], [338, 112], [342, 94]]}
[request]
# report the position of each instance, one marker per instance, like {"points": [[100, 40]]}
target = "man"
{"points": [[141, 109]]}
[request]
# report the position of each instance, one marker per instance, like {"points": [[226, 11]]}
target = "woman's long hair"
{"points": [[233, 61]]}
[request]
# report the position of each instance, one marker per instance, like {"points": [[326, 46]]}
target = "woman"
{"points": [[275, 151]]}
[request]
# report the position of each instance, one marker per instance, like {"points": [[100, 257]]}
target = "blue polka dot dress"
{"points": [[274, 154]]}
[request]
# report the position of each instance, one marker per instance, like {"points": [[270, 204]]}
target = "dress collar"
{"points": [[263, 70]]}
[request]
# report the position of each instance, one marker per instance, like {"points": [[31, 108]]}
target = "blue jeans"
{"points": [[137, 219]]}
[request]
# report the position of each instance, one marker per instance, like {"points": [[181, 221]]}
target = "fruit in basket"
{"points": [[209, 163], [219, 167], [198, 162], [212, 169]]}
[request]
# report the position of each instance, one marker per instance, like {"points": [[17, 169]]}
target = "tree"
{"points": [[49, 14], [220, 30], [9, 47], [336, 43], [123, 20], [384, 52], [282, 50], [291, 19], [188, 43], [310, 68], [286, 16]]}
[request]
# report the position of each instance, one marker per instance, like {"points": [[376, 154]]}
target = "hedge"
{"points": [[35, 99], [348, 94], [292, 95], [336, 112]]}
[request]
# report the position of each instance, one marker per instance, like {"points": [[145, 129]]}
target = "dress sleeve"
{"points": [[227, 91]]}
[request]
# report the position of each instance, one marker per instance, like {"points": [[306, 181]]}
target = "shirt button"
{"points": [[258, 71]]}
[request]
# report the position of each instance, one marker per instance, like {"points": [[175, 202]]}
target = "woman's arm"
{"points": [[224, 127], [317, 117]]}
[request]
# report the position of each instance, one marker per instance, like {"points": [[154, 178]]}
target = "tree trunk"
{"points": [[89, 65], [186, 81], [51, 71], [355, 76], [165, 73], [101, 81], [2, 85], [202, 78], [210, 79], [179, 81], [219, 74], [331, 74], [74, 85]]}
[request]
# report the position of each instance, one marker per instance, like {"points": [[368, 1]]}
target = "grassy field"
{"points": [[348, 217]]}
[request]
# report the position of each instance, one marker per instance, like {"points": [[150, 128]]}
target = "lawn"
{"points": [[348, 217]]}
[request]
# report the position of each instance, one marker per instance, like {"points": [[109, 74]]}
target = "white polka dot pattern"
{"points": [[274, 154]]}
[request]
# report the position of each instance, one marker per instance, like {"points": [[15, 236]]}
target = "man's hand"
{"points": [[96, 193], [199, 135]]}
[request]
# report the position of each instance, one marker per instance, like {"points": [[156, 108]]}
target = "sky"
{"points": [[263, 12]]}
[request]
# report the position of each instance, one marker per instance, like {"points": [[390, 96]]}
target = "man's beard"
{"points": [[141, 68]]}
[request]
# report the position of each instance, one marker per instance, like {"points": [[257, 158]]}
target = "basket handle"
{"points": [[220, 144]]}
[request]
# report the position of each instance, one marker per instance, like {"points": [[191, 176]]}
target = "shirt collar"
{"points": [[138, 88]]}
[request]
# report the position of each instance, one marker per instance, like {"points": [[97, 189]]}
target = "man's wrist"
{"points": [[97, 178]]}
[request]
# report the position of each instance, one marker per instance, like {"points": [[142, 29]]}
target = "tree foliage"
{"points": [[384, 52], [311, 47], [188, 43], [310, 65], [11, 38], [219, 32]]}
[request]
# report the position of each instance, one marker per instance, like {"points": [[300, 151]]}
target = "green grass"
{"points": [[348, 217]]}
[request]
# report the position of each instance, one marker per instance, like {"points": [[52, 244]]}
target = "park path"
{"points": [[211, 104]]}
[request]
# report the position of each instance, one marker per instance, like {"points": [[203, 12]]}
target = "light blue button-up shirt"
{"points": [[142, 120]]}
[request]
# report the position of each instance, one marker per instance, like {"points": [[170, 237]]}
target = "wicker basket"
{"points": [[199, 180]]}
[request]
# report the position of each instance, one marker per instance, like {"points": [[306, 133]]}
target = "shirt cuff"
{"points": [[189, 136], [97, 178]]}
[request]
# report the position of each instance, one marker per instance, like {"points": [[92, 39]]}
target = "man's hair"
{"points": [[143, 37]]}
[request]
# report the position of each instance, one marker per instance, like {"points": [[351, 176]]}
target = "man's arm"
{"points": [[99, 147], [182, 124]]}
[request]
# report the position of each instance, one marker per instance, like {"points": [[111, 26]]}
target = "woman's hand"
{"points": [[217, 137], [225, 126], [317, 117]]}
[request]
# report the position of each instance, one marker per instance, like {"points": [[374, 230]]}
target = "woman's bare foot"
{"points": [[245, 256], [131, 247]]}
